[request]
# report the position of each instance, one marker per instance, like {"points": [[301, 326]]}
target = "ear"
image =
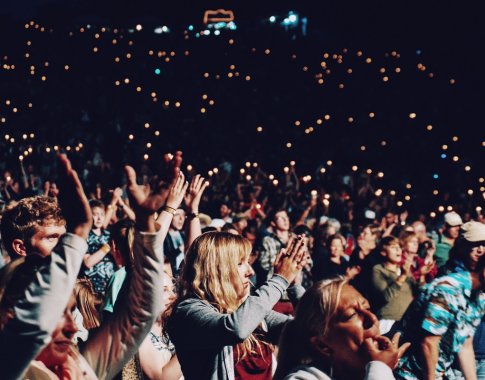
{"points": [[383, 253], [18, 247], [321, 347]]}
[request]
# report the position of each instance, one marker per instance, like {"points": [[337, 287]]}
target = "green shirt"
{"points": [[394, 298], [442, 253], [113, 289]]}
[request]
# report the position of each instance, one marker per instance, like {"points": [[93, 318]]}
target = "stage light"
{"points": [[157, 71], [272, 19]]}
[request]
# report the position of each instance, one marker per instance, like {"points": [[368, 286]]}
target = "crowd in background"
{"points": [[324, 222], [391, 257]]}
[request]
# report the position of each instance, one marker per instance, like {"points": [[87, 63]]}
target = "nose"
{"points": [[171, 295], [369, 318], [249, 270], [70, 327]]}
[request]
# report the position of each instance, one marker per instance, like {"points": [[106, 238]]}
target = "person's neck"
{"points": [[157, 327], [363, 253], [283, 235], [476, 281], [391, 266], [336, 259], [449, 239], [97, 230]]}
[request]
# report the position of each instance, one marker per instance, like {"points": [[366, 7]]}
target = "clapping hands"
{"points": [[293, 259]]}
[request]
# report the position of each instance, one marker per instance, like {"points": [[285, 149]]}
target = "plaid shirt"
{"points": [[272, 246]]}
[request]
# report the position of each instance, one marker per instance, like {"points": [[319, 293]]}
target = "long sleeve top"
{"points": [[394, 298], [374, 370], [204, 337], [115, 342], [41, 307]]}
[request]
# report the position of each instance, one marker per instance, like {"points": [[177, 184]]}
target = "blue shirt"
{"points": [[448, 308]]}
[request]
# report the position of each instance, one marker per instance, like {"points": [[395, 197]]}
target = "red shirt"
{"points": [[254, 366]]}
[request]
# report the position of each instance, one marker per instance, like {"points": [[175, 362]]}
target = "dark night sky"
{"points": [[433, 20], [450, 35]]}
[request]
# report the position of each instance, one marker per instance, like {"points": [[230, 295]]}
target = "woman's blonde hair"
{"points": [[211, 272], [210, 269], [313, 316], [88, 302]]}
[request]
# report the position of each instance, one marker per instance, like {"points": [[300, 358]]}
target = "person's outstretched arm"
{"points": [[197, 324], [192, 201], [118, 340], [44, 300]]}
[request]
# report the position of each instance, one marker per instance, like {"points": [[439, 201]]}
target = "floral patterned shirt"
{"points": [[446, 307], [100, 273]]}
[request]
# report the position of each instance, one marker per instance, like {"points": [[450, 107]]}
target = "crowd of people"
{"points": [[137, 282], [290, 240], [110, 95]]}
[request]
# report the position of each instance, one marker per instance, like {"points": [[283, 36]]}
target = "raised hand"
{"points": [[117, 193], [385, 350], [426, 268], [292, 260], [143, 200], [177, 191], [144, 204], [172, 165], [353, 272], [193, 196], [74, 203]]}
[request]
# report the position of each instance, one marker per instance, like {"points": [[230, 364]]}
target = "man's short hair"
{"points": [[272, 214], [21, 220], [96, 203]]}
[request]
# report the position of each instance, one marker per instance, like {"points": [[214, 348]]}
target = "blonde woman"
{"points": [[220, 331], [88, 304], [335, 336]]}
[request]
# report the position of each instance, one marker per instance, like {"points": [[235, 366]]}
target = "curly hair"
{"points": [[21, 219]]}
